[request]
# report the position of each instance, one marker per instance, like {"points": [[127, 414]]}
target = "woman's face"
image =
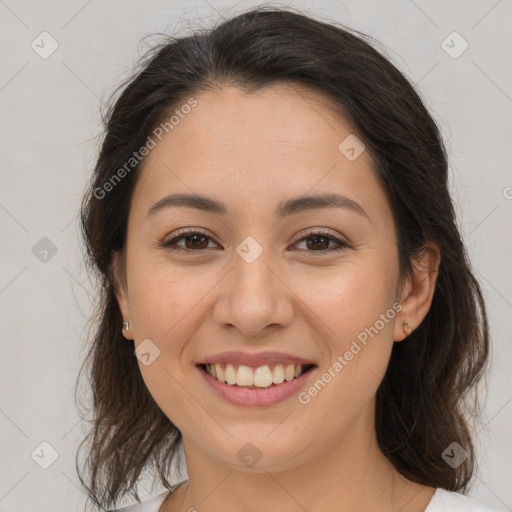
{"points": [[258, 280]]}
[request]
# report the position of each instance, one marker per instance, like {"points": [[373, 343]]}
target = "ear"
{"points": [[418, 291], [118, 272]]}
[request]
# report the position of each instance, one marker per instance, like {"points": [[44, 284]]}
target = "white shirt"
{"points": [[442, 501]]}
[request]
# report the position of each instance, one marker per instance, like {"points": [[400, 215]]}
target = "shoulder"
{"points": [[148, 505], [448, 501], [151, 505]]}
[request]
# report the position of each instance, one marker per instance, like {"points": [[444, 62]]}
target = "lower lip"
{"points": [[256, 397]]}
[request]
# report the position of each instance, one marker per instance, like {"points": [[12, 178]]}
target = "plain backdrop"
{"points": [[49, 110]]}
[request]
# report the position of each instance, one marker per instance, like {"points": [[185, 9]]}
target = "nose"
{"points": [[253, 298]]}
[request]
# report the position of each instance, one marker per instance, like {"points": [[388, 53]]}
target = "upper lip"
{"points": [[254, 359]]}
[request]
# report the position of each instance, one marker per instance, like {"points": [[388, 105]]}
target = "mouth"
{"points": [[261, 377]]}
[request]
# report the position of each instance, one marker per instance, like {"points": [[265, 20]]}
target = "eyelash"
{"points": [[171, 244]]}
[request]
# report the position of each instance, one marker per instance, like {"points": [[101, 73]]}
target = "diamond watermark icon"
{"points": [[454, 45], [44, 45], [147, 352], [249, 455], [44, 455], [351, 147], [249, 250], [44, 250], [455, 455]]}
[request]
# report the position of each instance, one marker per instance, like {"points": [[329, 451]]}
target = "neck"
{"points": [[349, 475]]}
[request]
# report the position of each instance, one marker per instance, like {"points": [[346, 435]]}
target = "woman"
{"points": [[286, 295]]}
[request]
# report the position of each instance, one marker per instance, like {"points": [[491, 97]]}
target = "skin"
{"points": [[291, 298]]}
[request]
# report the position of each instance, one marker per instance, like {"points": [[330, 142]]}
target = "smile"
{"points": [[259, 386], [261, 377]]}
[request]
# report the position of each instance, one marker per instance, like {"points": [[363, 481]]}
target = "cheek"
{"points": [[349, 299], [166, 311], [162, 300], [355, 310]]}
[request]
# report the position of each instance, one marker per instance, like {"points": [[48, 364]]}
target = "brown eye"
{"points": [[196, 242], [193, 241], [320, 242]]}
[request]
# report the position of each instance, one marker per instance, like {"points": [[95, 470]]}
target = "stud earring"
{"points": [[126, 325], [407, 328]]}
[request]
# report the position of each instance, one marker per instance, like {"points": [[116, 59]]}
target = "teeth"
{"points": [[278, 374], [289, 373], [244, 377], [230, 374], [261, 377], [221, 377]]}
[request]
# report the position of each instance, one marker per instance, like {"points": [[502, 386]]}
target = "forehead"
{"points": [[281, 119], [283, 140]]}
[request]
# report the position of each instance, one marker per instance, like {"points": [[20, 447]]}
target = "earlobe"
{"points": [[119, 282], [418, 293]]}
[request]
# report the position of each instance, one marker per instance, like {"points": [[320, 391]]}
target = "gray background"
{"points": [[49, 110]]}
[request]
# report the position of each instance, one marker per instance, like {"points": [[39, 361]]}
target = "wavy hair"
{"points": [[423, 403]]}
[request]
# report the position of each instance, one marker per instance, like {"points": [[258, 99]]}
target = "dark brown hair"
{"points": [[423, 401]]}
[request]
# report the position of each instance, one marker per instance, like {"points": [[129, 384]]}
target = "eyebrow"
{"points": [[284, 208]]}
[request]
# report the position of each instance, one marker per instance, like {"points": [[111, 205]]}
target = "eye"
{"points": [[194, 240], [318, 241], [197, 241]]}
